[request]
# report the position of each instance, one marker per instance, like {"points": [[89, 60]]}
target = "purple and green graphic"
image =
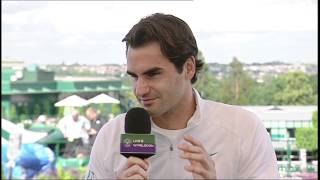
{"points": [[138, 145]]}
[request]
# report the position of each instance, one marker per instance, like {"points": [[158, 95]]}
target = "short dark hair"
{"points": [[175, 37]]}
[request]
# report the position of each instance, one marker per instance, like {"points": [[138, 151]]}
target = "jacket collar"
{"points": [[196, 117]]}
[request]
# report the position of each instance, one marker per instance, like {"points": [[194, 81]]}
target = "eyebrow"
{"points": [[149, 71], [131, 74]]}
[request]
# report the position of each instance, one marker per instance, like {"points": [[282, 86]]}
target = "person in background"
{"points": [[75, 129], [42, 119], [95, 124]]}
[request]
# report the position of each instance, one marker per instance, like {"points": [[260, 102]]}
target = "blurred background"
{"points": [[64, 60]]}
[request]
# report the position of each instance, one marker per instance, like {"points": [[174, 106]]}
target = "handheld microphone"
{"points": [[137, 140]]}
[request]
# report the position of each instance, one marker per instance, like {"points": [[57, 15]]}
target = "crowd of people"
{"points": [[78, 130]]}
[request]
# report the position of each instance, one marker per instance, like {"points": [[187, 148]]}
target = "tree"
{"points": [[236, 73], [127, 98], [115, 109], [37, 110], [307, 138], [315, 133], [315, 119], [263, 93], [13, 113], [60, 113], [313, 80], [47, 107], [296, 90], [207, 85], [237, 87]]}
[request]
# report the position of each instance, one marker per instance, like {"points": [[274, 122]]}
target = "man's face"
{"points": [[93, 116], [75, 116], [157, 85]]}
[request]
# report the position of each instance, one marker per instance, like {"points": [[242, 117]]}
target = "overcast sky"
{"points": [[90, 32]]}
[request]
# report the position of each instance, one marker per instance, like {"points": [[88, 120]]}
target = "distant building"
{"points": [[281, 123], [258, 71], [12, 63], [28, 87]]}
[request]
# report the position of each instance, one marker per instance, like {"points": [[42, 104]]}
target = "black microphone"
{"points": [[137, 140]]}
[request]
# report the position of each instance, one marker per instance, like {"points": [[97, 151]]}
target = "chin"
{"points": [[151, 110]]}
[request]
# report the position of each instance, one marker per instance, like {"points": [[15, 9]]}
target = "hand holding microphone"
{"points": [[137, 144], [135, 168]]}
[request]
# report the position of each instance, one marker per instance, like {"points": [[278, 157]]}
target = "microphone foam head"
{"points": [[137, 121]]}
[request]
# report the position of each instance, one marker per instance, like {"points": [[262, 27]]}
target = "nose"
{"points": [[141, 87]]}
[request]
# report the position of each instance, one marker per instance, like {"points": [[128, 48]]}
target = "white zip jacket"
{"points": [[242, 145]]}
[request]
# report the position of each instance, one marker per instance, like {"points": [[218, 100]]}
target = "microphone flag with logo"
{"points": [[137, 140]]}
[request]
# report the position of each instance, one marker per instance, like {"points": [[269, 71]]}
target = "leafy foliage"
{"points": [[2, 173], [315, 119], [238, 87], [207, 84], [296, 90], [307, 138], [127, 98], [64, 174]]}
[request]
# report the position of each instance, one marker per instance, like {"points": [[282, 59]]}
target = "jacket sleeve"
{"points": [[258, 159]]}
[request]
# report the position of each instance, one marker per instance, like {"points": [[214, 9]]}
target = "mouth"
{"points": [[147, 101]]}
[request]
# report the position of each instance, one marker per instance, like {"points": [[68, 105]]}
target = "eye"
{"points": [[133, 77], [153, 74]]}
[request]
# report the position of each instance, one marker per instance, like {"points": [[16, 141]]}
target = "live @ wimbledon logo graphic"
{"points": [[127, 142]]}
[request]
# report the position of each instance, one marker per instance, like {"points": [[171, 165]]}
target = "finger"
{"points": [[201, 158], [197, 170], [187, 148], [147, 161], [134, 160], [136, 176], [135, 169], [193, 141]]}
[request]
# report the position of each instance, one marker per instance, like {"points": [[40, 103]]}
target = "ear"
{"points": [[190, 67]]}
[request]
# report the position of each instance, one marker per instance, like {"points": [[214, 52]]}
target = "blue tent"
{"points": [[32, 159]]}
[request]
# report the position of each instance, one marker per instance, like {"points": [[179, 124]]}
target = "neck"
{"points": [[178, 117]]}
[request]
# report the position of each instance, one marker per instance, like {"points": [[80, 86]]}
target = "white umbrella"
{"points": [[8, 128], [72, 101], [103, 98]]}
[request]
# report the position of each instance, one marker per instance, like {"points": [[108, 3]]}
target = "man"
{"points": [[95, 124], [195, 138], [75, 129]]}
